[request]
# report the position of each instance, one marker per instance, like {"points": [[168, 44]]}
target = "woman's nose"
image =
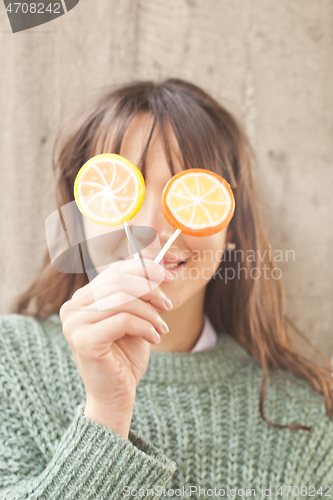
{"points": [[151, 215]]}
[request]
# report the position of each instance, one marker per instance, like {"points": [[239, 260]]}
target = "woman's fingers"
{"points": [[96, 340], [123, 302], [152, 270], [112, 283], [108, 283]]}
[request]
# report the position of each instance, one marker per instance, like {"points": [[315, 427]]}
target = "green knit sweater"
{"points": [[196, 424]]}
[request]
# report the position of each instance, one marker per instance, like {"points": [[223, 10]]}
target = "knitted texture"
{"points": [[196, 423]]}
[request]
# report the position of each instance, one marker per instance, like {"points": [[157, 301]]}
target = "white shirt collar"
{"points": [[208, 337]]}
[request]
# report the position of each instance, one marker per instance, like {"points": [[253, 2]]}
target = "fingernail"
{"points": [[164, 326], [168, 303], [158, 338]]}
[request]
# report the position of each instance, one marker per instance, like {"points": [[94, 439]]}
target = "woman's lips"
{"points": [[167, 262], [178, 267], [174, 265]]}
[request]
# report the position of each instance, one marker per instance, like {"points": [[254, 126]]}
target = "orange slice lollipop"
{"points": [[109, 189], [198, 202]]}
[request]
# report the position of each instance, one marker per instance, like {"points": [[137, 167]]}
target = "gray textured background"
{"points": [[269, 62]]}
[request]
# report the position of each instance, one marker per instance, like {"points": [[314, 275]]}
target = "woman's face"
{"points": [[201, 255]]}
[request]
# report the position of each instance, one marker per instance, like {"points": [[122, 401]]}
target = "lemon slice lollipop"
{"points": [[110, 190], [196, 202]]}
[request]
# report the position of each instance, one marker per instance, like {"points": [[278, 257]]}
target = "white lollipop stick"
{"points": [[134, 251], [130, 240], [167, 246]]}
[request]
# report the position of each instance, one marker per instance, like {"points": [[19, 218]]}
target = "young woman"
{"points": [[162, 394]]}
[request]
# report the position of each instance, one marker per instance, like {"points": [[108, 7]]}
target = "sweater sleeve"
{"points": [[91, 461], [82, 460]]}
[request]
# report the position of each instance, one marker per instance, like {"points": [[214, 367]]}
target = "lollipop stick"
{"points": [[136, 254], [130, 240], [167, 246]]}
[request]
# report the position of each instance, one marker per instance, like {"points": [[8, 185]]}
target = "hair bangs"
{"points": [[197, 138]]}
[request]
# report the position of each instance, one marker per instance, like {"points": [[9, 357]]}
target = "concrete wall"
{"points": [[268, 62]]}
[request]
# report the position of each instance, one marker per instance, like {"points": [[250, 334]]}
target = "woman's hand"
{"points": [[111, 347]]}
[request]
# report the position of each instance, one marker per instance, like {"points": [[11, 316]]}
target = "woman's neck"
{"points": [[185, 326]]}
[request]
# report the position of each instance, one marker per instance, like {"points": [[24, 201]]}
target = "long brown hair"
{"points": [[252, 311]]}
